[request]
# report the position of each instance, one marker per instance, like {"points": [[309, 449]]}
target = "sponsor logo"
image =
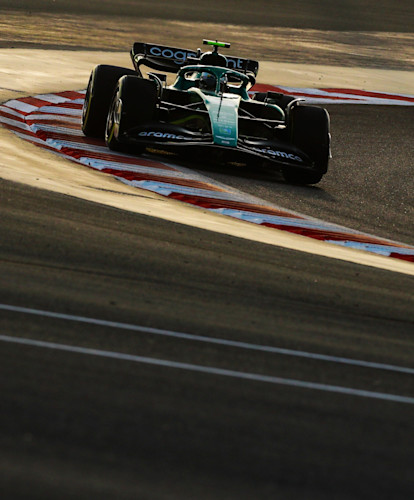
{"points": [[224, 141], [280, 154], [162, 135], [234, 63], [226, 130], [180, 56]]}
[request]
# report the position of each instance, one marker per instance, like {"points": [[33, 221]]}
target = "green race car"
{"points": [[206, 109]]}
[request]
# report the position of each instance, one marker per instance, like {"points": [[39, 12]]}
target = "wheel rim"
{"points": [[113, 122]]}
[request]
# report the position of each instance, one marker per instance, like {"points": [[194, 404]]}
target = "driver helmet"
{"points": [[207, 81]]}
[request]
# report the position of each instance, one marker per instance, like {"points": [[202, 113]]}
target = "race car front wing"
{"points": [[170, 137]]}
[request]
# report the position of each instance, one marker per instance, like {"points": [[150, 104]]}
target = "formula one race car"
{"points": [[207, 108]]}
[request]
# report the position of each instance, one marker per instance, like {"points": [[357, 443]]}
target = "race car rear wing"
{"points": [[171, 59]]}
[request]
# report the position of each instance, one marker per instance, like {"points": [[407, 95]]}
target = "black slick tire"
{"points": [[309, 130], [102, 82], [280, 100], [134, 103]]}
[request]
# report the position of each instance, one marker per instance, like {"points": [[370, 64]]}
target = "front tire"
{"points": [[134, 103], [300, 177], [102, 83], [309, 129]]}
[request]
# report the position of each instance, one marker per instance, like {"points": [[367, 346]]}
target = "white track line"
{"points": [[209, 340], [211, 370]]}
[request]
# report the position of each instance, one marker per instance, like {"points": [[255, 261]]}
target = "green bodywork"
{"points": [[223, 112], [222, 103]]}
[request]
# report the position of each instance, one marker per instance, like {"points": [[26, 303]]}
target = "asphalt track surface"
{"points": [[84, 425], [195, 418], [370, 15]]}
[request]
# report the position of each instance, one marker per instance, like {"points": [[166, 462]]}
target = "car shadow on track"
{"points": [[254, 178]]}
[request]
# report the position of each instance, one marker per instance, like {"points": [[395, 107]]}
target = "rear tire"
{"points": [[102, 83], [134, 103], [280, 100], [259, 96], [310, 131]]}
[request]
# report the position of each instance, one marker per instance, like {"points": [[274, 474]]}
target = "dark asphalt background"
{"points": [[354, 15], [74, 426]]}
